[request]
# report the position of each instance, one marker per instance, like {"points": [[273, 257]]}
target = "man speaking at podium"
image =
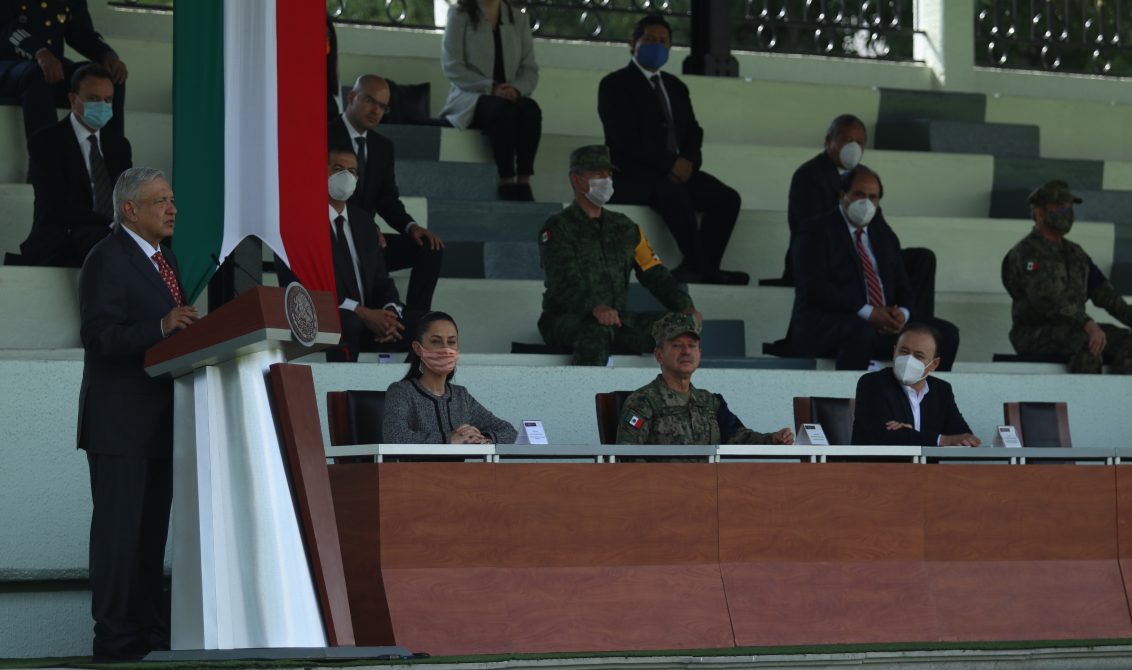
{"points": [[130, 298]]}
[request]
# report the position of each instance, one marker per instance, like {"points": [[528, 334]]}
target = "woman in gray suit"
{"points": [[488, 56]]}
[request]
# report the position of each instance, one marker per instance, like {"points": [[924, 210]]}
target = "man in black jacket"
{"points": [[815, 189], [74, 166], [32, 65], [655, 142], [415, 247], [903, 405], [853, 295]]}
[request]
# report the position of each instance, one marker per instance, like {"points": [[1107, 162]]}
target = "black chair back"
{"points": [[608, 407], [834, 414]]}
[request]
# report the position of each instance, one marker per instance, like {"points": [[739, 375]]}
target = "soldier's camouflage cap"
{"points": [[1055, 192], [674, 324], [591, 157]]}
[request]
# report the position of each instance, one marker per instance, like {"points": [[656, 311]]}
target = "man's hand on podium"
{"points": [[178, 318]]}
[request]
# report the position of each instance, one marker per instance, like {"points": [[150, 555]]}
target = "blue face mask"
{"points": [[652, 56], [97, 114]]}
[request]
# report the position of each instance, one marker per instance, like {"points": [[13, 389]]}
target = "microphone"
{"points": [[216, 260]]}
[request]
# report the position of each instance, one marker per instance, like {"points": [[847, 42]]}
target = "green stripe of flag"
{"points": [[198, 138]]}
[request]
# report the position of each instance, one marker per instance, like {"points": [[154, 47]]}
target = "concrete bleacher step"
{"points": [[411, 142], [897, 104], [1015, 178], [484, 221], [17, 202], [996, 139], [433, 179]]}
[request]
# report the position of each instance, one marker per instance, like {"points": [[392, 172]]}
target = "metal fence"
{"points": [[1082, 36]]}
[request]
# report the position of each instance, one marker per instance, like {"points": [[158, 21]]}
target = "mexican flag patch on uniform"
{"points": [[1031, 266], [635, 421], [545, 236]]}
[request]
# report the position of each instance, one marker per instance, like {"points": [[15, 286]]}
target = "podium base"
{"points": [[281, 653]]}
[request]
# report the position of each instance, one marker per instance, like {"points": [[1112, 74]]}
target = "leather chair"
{"points": [[354, 417], [1039, 424], [834, 414], [608, 413]]}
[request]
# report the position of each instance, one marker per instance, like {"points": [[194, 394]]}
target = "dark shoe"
{"points": [[515, 192], [525, 193], [688, 275], [729, 278]]}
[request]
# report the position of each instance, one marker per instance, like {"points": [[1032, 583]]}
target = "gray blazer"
{"points": [[413, 415], [467, 57]]}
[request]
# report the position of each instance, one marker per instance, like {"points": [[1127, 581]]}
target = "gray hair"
{"points": [[130, 184]]}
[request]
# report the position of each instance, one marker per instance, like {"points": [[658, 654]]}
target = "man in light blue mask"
{"points": [[653, 137], [903, 405], [73, 166]]}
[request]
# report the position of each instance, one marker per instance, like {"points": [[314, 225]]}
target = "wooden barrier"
{"points": [[455, 558]]}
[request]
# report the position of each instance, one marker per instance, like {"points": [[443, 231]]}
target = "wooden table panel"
{"points": [[1124, 511], [1028, 600], [787, 603], [828, 512], [1005, 513], [532, 610]]}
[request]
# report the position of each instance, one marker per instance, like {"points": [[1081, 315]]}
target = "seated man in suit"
{"points": [[669, 410], [903, 405], [652, 134], [815, 189], [853, 295], [377, 194], [32, 65], [73, 168], [373, 317]]}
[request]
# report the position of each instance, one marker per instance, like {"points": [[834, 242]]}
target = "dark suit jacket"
{"points": [[378, 193], [634, 124], [881, 398], [377, 286], [830, 284], [813, 190], [63, 196], [122, 299], [41, 28]]}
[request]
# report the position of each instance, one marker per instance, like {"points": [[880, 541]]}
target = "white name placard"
{"points": [[531, 432], [1006, 436], [811, 434]]}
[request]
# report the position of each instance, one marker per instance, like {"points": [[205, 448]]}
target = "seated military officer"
{"points": [[669, 410], [1050, 279]]}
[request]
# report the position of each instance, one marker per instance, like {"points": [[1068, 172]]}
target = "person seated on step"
{"points": [[898, 406], [669, 410], [34, 69], [815, 189], [1050, 279], [652, 134], [489, 58], [415, 246], [587, 252], [853, 295], [73, 168]]}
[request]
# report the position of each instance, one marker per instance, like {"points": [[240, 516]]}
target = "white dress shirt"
{"points": [[914, 399], [867, 311]]}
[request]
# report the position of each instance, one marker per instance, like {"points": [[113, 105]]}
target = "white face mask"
{"points": [[850, 155], [601, 190], [342, 185], [908, 369], [861, 212]]}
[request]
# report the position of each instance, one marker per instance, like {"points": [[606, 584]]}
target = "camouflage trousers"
{"points": [[592, 342], [1073, 342]]}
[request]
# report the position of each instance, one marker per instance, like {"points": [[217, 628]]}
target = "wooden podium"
{"points": [[251, 567]]}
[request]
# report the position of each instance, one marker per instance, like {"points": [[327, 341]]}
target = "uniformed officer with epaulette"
{"points": [[32, 66], [669, 410], [587, 253], [1050, 279]]}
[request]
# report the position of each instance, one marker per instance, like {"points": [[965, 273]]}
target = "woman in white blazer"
{"points": [[488, 56]]}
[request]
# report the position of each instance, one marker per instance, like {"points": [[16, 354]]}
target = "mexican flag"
{"points": [[249, 135]]}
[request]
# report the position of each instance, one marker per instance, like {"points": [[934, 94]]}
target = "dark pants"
{"points": [[593, 342], [61, 246], [703, 244], [356, 338], [401, 251], [23, 79], [514, 129], [128, 529], [1072, 342], [853, 342]]}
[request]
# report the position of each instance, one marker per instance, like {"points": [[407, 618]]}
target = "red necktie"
{"points": [[168, 277], [872, 282]]}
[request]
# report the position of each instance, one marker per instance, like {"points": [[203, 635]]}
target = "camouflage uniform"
{"points": [[655, 414], [587, 263], [1050, 282]]}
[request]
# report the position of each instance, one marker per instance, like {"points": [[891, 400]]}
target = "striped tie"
{"points": [[168, 277], [872, 282], [101, 180]]}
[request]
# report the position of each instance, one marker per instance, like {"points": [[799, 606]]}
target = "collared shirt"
{"points": [[914, 399], [348, 303], [147, 249], [649, 74], [82, 134], [354, 135], [867, 311]]}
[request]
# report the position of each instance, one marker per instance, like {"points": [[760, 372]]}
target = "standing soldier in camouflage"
{"points": [[1050, 279], [587, 253], [669, 410]]}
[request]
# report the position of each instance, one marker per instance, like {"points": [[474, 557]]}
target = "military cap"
{"points": [[591, 157], [674, 324], [1053, 192]]}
